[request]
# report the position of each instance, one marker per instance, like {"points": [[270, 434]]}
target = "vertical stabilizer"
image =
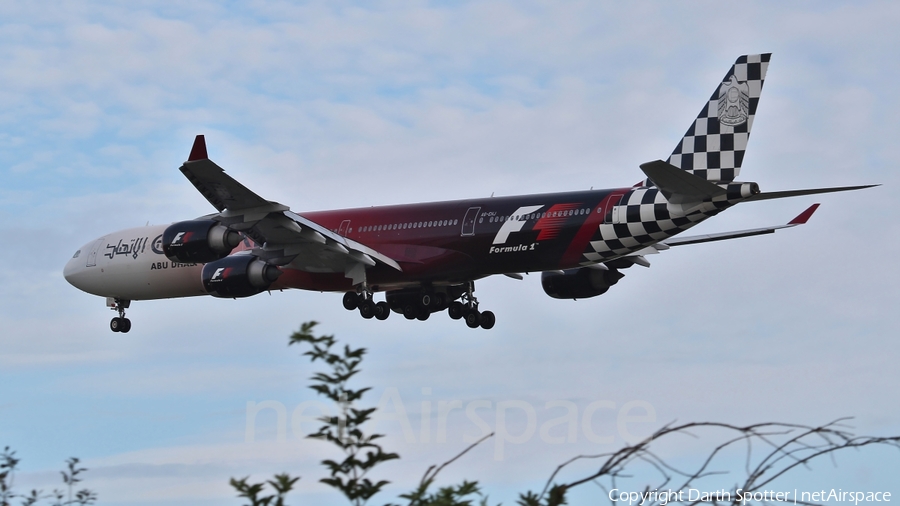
{"points": [[713, 147]]}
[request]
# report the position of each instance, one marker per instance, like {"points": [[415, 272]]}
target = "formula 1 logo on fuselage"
{"points": [[514, 224]]}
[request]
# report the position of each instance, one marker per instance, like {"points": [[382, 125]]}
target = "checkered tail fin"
{"points": [[714, 145]]}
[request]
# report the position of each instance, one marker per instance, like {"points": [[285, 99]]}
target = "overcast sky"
{"points": [[322, 105]]}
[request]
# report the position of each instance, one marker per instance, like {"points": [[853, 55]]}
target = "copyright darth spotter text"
{"points": [[664, 497]]}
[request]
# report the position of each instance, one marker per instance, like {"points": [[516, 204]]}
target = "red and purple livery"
{"points": [[426, 257]]}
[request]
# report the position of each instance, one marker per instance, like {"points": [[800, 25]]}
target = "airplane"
{"points": [[426, 257]]}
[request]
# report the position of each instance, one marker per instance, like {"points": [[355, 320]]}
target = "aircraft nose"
{"points": [[69, 270], [74, 271]]}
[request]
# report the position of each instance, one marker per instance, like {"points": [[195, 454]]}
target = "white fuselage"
{"points": [[130, 265]]}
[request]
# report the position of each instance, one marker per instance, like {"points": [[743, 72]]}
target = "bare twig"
{"points": [[426, 478], [790, 446]]}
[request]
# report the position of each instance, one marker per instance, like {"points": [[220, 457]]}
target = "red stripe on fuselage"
{"points": [[574, 253], [553, 221]]}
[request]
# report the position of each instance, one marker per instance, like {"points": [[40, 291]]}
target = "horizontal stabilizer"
{"points": [[680, 186], [799, 193], [801, 219]]}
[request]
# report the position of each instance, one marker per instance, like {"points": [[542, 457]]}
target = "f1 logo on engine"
{"points": [[514, 224], [178, 238], [221, 273]]}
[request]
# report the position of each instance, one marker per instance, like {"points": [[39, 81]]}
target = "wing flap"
{"points": [[350, 244], [220, 189], [283, 236]]}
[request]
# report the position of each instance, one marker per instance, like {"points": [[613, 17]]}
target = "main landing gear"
{"points": [[366, 306], [419, 304], [119, 323], [468, 310]]}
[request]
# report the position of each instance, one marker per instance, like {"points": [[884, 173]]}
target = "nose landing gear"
{"points": [[119, 323]]}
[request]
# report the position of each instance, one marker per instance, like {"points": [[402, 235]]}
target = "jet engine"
{"points": [[238, 276], [198, 241], [579, 283]]}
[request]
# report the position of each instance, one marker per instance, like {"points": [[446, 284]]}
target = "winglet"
{"points": [[804, 216], [198, 151]]}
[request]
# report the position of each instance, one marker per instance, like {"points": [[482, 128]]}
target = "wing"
{"points": [[286, 237], [638, 256], [801, 219]]}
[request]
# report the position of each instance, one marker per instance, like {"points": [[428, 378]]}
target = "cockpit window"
{"points": [[76, 254]]}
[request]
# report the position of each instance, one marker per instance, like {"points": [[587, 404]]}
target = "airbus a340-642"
{"points": [[426, 257]]}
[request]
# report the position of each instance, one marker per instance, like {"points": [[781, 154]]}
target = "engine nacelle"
{"points": [[579, 283], [198, 241], [238, 276]]}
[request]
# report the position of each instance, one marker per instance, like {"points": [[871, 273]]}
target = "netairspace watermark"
{"points": [[570, 426], [663, 497]]}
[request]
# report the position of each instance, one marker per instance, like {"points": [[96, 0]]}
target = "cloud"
{"points": [[323, 105]]}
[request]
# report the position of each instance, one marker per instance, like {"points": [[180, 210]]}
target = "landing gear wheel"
{"points": [[456, 310], [440, 301], [423, 315], [488, 320], [426, 300], [382, 310], [367, 309], [410, 311], [473, 318], [119, 323], [351, 301]]}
